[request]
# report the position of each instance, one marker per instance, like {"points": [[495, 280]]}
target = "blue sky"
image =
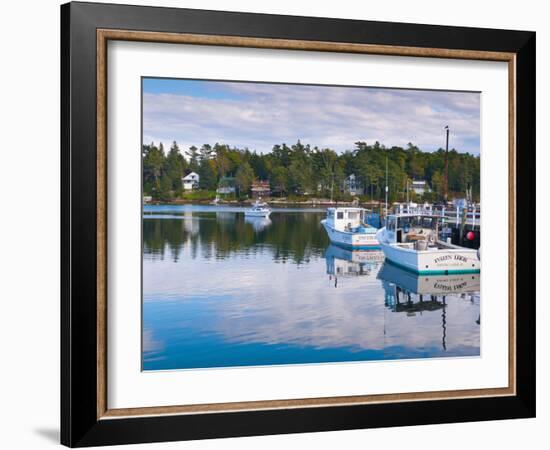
{"points": [[259, 115]]}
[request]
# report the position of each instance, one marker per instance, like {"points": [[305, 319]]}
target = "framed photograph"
{"points": [[276, 224]]}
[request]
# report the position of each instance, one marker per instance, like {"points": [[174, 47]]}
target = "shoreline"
{"points": [[273, 202]]}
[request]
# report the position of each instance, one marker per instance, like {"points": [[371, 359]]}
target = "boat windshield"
{"points": [[417, 222]]}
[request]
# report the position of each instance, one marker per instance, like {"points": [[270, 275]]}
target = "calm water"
{"points": [[220, 290]]}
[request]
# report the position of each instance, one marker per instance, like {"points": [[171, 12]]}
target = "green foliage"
{"points": [[174, 166], [198, 195], [299, 170], [193, 155], [244, 178], [208, 174]]}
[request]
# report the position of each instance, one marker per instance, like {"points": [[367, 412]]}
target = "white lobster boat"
{"points": [[347, 228], [259, 209], [411, 241]]}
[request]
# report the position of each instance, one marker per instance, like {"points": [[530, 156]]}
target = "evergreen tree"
{"points": [[153, 159], [208, 176], [193, 154], [244, 178], [174, 167], [299, 169]]}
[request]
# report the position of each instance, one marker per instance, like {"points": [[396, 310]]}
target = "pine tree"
{"points": [[193, 154]]}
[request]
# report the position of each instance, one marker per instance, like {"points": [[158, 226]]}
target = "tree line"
{"points": [[303, 170]]}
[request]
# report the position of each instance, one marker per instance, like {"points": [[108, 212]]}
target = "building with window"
{"points": [[420, 186], [190, 181], [260, 188], [226, 186], [353, 186]]}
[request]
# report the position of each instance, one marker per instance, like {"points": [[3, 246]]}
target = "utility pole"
{"points": [[386, 186], [407, 194], [446, 192]]}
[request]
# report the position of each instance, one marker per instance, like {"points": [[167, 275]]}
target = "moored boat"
{"points": [[412, 242], [347, 228], [259, 209]]}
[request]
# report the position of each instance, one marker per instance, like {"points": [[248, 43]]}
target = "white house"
{"points": [[420, 186], [352, 185], [190, 181]]}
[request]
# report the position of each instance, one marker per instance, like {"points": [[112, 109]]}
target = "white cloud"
{"points": [[258, 116]]}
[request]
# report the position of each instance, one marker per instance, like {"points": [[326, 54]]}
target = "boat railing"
{"points": [[470, 215]]}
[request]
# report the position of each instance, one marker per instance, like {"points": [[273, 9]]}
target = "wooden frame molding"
{"points": [[103, 36]]}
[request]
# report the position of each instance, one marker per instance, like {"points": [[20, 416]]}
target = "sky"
{"points": [[260, 115]]}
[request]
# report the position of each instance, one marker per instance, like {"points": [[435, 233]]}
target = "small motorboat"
{"points": [[259, 209]]}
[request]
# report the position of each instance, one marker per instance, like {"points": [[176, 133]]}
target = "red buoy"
{"points": [[470, 235]]}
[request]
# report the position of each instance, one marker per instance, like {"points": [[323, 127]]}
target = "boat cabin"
{"points": [[347, 219], [421, 230]]}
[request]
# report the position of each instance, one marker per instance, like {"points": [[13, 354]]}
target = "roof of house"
{"points": [[260, 186], [260, 183], [227, 182], [191, 176]]}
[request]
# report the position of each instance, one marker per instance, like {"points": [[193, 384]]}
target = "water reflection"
{"points": [[222, 291], [417, 294], [258, 223], [295, 235], [346, 263]]}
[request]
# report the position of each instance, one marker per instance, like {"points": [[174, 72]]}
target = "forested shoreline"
{"points": [[301, 171]]}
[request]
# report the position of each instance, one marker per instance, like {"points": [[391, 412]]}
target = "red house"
{"points": [[260, 188]]}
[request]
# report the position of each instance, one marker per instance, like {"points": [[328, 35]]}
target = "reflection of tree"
{"points": [[291, 236]]}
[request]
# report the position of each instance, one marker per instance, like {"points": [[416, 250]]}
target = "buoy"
{"points": [[470, 235]]}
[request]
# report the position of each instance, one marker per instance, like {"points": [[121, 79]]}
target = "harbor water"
{"points": [[222, 290]]}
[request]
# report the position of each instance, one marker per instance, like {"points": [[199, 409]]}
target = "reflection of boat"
{"points": [[411, 293], [259, 209], [346, 263], [430, 284], [412, 242], [347, 227], [258, 223]]}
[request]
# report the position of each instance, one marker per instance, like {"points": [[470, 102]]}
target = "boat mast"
{"points": [[446, 192], [386, 186], [407, 194]]}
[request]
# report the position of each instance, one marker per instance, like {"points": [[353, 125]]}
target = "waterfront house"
{"points": [[226, 186], [260, 188], [190, 181], [420, 186], [353, 186]]}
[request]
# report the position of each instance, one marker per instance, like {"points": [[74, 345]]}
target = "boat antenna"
{"points": [[446, 193], [386, 185], [407, 193]]}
